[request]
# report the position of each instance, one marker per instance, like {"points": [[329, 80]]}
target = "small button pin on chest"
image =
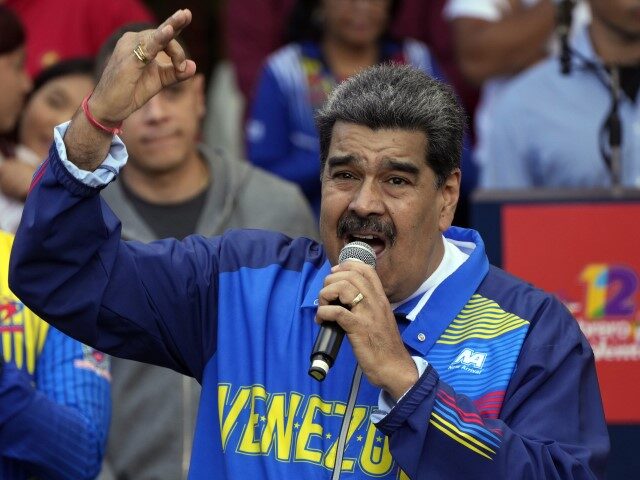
{"points": [[421, 337]]}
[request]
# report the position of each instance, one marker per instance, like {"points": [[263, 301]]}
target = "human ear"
{"points": [[450, 191]]}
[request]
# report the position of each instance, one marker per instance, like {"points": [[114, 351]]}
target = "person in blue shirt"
{"points": [[54, 395], [54, 392], [451, 368], [329, 41], [549, 129]]}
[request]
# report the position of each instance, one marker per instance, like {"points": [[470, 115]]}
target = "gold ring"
{"points": [[140, 54], [357, 300]]}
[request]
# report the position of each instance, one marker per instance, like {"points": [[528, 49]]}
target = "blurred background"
{"points": [[551, 169]]}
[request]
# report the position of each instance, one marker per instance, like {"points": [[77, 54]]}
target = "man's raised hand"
{"points": [[134, 73]]}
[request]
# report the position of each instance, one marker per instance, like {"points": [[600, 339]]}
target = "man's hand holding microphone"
{"points": [[353, 298]]}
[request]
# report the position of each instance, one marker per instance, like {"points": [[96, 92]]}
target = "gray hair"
{"points": [[399, 97]]}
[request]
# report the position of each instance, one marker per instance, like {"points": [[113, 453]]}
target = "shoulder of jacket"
{"points": [[519, 297]]}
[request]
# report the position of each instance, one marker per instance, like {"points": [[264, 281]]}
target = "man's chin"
{"points": [[160, 167]]}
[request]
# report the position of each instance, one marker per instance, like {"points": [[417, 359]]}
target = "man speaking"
{"points": [[451, 368]]}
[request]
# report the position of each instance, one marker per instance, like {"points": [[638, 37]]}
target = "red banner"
{"points": [[588, 255]]}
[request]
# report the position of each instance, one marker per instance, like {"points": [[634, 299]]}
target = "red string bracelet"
{"points": [[85, 108]]}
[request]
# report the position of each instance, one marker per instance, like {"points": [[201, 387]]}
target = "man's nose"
{"points": [[154, 110], [368, 199]]}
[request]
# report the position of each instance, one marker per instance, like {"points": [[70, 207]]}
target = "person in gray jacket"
{"points": [[173, 187]]}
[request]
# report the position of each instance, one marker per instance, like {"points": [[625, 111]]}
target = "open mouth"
{"points": [[375, 241], [376, 232]]}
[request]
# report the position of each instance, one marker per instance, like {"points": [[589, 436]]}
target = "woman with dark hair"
{"points": [[57, 93], [330, 41], [55, 399], [14, 80]]}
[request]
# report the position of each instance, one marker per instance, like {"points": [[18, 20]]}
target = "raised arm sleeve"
{"points": [[152, 303]]}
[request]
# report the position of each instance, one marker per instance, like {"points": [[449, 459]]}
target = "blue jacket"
{"points": [[54, 395], [510, 390]]}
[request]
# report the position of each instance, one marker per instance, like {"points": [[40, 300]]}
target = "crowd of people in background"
{"points": [[236, 147], [329, 42], [54, 391]]}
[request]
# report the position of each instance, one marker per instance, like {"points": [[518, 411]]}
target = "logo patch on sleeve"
{"points": [[469, 360]]}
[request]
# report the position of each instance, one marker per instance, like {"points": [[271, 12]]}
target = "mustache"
{"points": [[351, 223]]}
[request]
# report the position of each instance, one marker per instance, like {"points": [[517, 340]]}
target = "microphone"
{"points": [[329, 339]]}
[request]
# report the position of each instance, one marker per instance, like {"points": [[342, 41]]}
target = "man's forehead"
{"points": [[362, 142]]}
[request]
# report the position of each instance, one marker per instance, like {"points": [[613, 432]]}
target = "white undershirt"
{"points": [[452, 259]]}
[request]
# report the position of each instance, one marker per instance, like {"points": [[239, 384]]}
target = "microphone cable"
{"points": [[346, 421], [564, 19], [611, 132]]}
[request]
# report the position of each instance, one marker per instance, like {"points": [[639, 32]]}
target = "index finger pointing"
{"points": [[179, 20], [158, 39]]}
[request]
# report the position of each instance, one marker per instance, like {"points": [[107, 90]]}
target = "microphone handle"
{"points": [[326, 347]]}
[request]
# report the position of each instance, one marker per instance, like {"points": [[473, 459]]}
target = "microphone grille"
{"points": [[358, 251]]}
